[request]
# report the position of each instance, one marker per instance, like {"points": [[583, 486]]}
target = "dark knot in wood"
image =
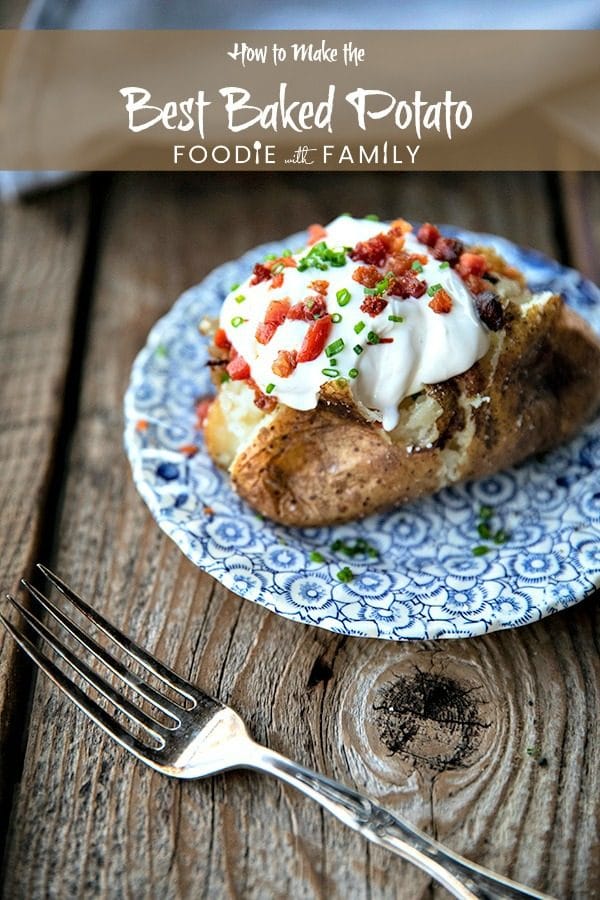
{"points": [[430, 719]]}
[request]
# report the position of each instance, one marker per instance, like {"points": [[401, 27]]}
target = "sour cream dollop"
{"points": [[426, 346]]}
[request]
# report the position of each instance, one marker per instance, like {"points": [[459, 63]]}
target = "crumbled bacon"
{"points": [[448, 250], [309, 309], [373, 305], [286, 362], [319, 285], [471, 264], [407, 285], [286, 261], [260, 273], [403, 262], [400, 226], [368, 276], [373, 252], [441, 302], [261, 400], [315, 339], [490, 309], [221, 340], [275, 316], [475, 284], [428, 234], [277, 280], [237, 368], [315, 233]]}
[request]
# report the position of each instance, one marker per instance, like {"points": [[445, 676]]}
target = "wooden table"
{"points": [[512, 780]]}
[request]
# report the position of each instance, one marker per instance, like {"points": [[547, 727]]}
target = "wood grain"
{"points": [[41, 249], [581, 199], [90, 821]]}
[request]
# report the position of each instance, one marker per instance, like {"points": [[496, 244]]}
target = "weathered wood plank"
{"points": [[581, 197], [41, 248], [91, 821]]}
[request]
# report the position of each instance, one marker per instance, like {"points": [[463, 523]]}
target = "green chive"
{"points": [[433, 289], [481, 550], [372, 338], [240, 298], [353, 373], [445, 265], [486, 512], [286, 253], [235, 286], [345, 575], [333, 363], [416, 266], [331, 373], [275, 270], [225, 376], [358, 349], [237, 321], [161, 351], [395, 319], [335, 347], [336, 318], [270, 256], [501, 537], [316, 557], [359, 327], [343, 296], [372, 217], [270, 388], [484, 531]]}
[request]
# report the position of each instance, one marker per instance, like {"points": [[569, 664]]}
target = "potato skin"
{"points": [[534, 389]]}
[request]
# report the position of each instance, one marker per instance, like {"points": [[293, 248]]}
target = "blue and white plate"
{"points": [[426, 582]]}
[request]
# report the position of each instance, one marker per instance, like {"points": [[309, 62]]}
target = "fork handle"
{"points": [[465, 880]]}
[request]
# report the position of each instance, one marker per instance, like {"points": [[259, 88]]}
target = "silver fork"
{"points": [[205, 737]]}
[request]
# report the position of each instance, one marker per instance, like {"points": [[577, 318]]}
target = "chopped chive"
{"points": [[481, 550], [353, 373], [225, 376], [240, 298], [501, 537], [359, 327], [484, 531], [343, 296], [235, 286], [372, 217], [161, 351], [445, 265], [275, 270], [336, 318], [358, 349], [270, 388], [316, 557], [345, 575], [335, 347], [286, 253], [372, 338], [331, 373], [433, 289], [270, 256], [416, 266], [237, 321], [486, 512], [333, 363], [396, 318]]}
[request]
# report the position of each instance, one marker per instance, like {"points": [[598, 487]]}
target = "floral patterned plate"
{"points": [[428, 579]]}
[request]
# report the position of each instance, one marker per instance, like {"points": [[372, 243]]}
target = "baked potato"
{"points": [[462, 371]]}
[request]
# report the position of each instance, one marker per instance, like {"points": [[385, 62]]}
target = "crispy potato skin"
{"points": [[329, 465]]}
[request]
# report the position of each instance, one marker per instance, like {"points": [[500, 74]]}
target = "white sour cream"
{"points": [[427, 347]]}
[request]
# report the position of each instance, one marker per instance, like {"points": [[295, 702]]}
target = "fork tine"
{"points": [[168, 707], [96, 681], [157, 668], [79, 698]]}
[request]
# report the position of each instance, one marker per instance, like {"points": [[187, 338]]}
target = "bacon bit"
{"points": [[471, 264], [316, 233], [202, 407], [142, 425], [448, 250], [373, 305], [260, 273], [428, 234], [286, 362], [315, 339], [285, 261], [441, 302], [221, 340], [275, 316], [308, 310], [238, 369], [319, 285], [208, 511], [407, 285], [402, 262], [189, 450], [475, 284], [277, 280], [368, 276], [373, 252], [401, 226], [262, 401], [386, 340]]}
